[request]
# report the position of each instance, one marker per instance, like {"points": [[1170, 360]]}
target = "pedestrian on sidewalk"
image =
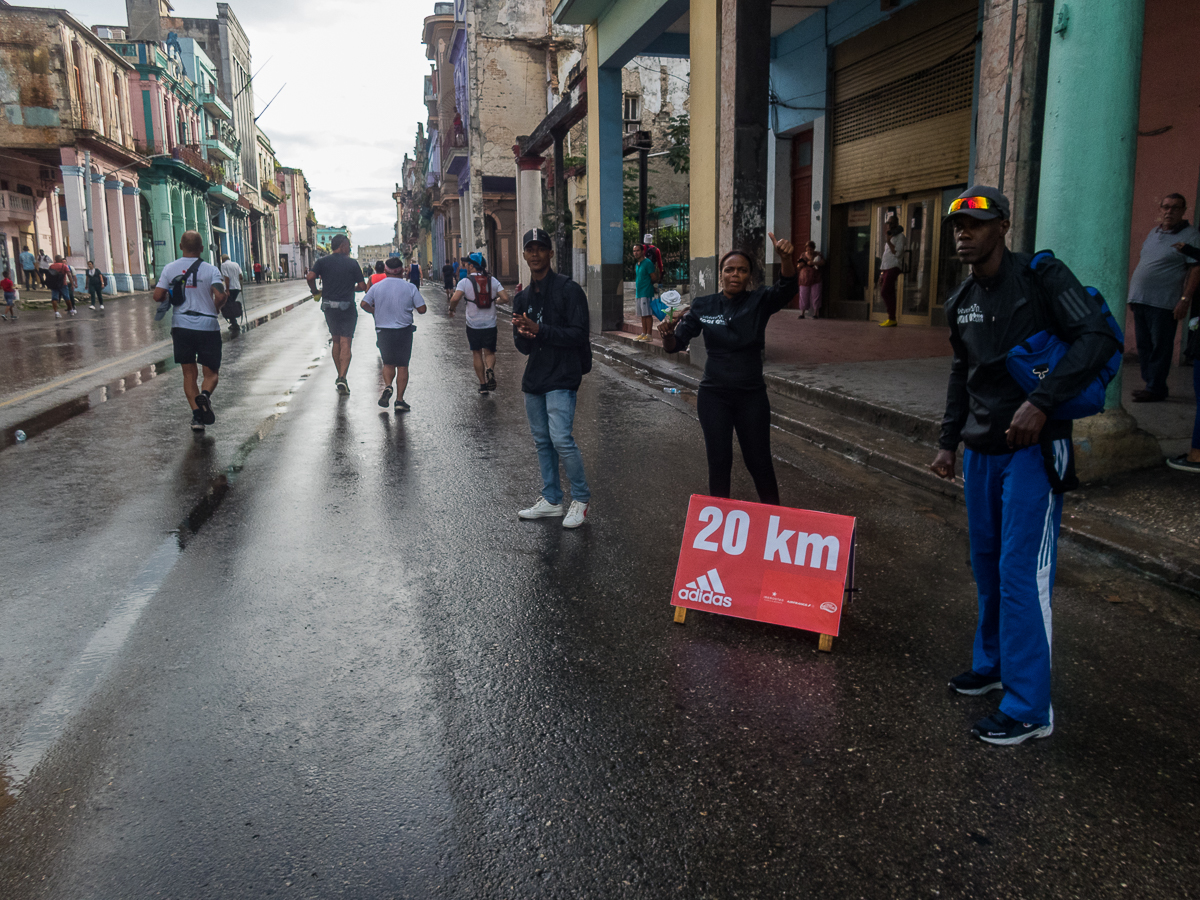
{"points": [[70, 286], [894, 244], [10, 296], [340, 278], [550, 326], [95, 281], [482, 292], [808, 273], [258, 277], [645, 274], [231, 275], [1161, 290], [195, 325], [56, 280], [44, 263], [29, 269], [1017, 460], [392, 302], [1190, 461], [733, 393]]}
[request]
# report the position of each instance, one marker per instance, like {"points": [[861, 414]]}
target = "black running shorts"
{"points": [[192, 346], [482, 338], [341, 322], [395, 345]]}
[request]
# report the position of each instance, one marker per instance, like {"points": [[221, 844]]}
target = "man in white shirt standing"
{"points": [[195, 328], [231, 272], [890, 266], [482, 292], [392, 302]]}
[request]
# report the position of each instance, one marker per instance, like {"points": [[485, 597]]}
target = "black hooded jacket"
{"points": [[560, 308], [987, 318]]}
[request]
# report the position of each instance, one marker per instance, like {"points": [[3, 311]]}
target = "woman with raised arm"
{"points": [[733, 394]]}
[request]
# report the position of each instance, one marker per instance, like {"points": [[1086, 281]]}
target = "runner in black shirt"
{"points": [[733, 394]]}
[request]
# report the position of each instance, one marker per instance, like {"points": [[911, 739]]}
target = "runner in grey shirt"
{"points": [[1161, 291]]}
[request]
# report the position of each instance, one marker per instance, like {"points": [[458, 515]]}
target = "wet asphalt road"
{"points": [[360, 675]]}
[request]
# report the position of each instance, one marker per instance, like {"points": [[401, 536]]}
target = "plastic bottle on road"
{"points": [[20, 436], [671, 390]]}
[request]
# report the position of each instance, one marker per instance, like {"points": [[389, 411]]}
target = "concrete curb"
{"points": [[846, 428]]}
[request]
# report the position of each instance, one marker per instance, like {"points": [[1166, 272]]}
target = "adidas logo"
{"points": [[706, 589]]}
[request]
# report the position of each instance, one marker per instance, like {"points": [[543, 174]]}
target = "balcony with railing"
{"points": [[20, 205], [215, 105], [271, 191], [190, 155], [222, 143]]}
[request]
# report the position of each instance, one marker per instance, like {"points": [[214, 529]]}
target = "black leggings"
{"points": [[722, 412]]}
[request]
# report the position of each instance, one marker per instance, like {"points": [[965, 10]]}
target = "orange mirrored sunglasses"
{"points": [[974, 203]]}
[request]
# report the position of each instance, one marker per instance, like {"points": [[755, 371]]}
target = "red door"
{"points": [[801, 193]]}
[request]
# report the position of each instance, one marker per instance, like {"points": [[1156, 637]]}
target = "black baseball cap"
{"points": [[536, 236], [980, 202]]}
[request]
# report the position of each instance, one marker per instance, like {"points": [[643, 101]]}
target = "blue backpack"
{"points": [[1035, 358]]}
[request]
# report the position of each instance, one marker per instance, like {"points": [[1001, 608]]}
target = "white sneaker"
{"points": [[541, 510], [58, 315], [577, 515]]}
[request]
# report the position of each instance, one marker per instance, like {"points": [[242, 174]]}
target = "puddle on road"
{"points": [[56, 415]]}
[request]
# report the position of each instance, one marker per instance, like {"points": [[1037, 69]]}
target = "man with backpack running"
{"points": [[481, 291], [1018, 459], [196, 290], [231, 276], [550, 326]]}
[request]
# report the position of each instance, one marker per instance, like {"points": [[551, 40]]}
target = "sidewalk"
{"points": [[876, 395]]}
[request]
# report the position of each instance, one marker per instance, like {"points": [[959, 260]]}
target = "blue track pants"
{"points": [[1013, 517]]}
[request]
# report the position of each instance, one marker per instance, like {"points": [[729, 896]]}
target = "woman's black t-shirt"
{"points": [[734, 331]]}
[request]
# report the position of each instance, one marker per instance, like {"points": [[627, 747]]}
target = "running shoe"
{"points": [[973, 684], [888, 323], [576, 515], [197, 421], [342, 386], [541, 510], [1179, 463], [386, 397], [483, 389], [58, 315], [491, 379], [1001, 728], [401, 406], [204, 407], [101, 307], [74, 312], [91, 306]]}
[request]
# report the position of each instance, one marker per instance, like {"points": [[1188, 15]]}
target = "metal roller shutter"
{"points": [[902, 102]]}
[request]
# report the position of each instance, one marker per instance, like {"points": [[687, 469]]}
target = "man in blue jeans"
{"points": [[550, 326]]}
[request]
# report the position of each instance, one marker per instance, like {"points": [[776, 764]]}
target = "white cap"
{"points": [[647, 239]]}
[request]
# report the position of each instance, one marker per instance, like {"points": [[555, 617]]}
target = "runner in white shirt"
{"points": [[481, 319], [232, 273], [393, 302], [195, 328]]}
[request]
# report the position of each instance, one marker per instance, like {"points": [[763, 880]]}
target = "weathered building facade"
{"points": [[296, 222], [69, 177]]}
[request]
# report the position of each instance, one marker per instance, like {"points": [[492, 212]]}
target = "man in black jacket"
{"points": [[550, 326], [1014, 453]]}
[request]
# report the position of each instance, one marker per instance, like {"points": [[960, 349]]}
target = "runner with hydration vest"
{"points": [[481, 291]]}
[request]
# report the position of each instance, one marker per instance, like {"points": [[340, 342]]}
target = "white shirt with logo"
{"points": [[394, 300], [894, 260], [232, 271], [476, 317], [198, 312]]}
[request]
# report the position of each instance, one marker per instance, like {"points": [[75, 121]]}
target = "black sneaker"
{"points": [[342, 386], [973, 684], [1179, 463], [401, 406], [483, 389], [197, 421], [491, 379], [1001, 728], [204, 407], [386, 397]]}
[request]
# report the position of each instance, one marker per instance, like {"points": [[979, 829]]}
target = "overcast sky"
{"points": [[353, 71]]}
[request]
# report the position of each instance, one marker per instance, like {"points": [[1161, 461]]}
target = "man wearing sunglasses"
{"points": [[1160, 293], [1015, 453]]}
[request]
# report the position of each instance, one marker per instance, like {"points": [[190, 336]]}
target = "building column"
{"points": [[76, 217], [118, 244], [1090, 139], [101, 246], [162, 226], [203, 229], [779, 199], [131, 200], [605, 226], [529, 205]]}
